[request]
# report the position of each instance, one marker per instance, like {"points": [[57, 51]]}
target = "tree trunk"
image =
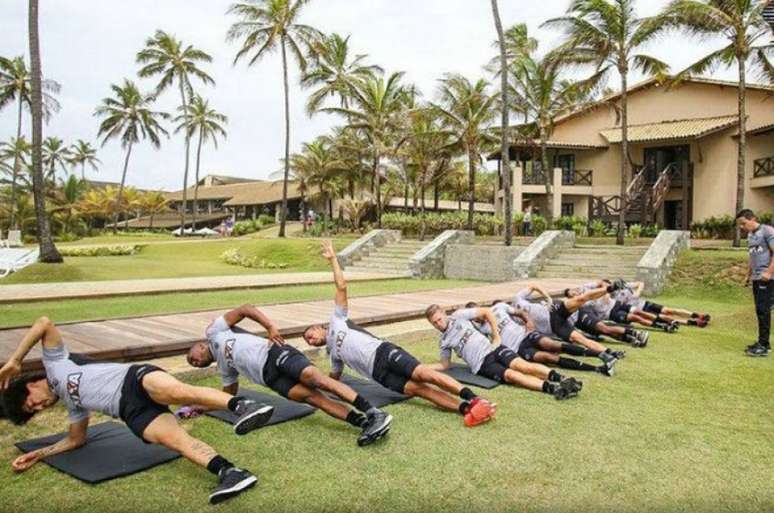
{"points": [[121, 190], [324, 200], [48, 251], [504, 153], [16, 166], [423, 221], [741, 144], [304, 212], [471, 186], [150, 224], [187, 153], [625, 168], [378, 187], [196, 186], [83, 171], [406, 194], [284, 207], [547, 176], [436, 196]]}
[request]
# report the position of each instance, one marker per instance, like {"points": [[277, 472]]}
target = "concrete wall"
{"points": [[656, 264], [548, 245], [485, 263], [428, 262]]}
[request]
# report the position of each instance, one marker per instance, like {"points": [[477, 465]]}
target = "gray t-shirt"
{"points": [[599, 307], [348, 344], [512, 331], [84, 388], [538, 312], [462, 337], [627, 296], [760, 243], [237, 353]]}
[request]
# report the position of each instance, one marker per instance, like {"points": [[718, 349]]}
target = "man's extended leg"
{"points": [[303, 394], [603, 353], [548, 355], [435, 396]]}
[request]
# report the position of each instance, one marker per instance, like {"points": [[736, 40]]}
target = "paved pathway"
{"points": [[95, 289], [164, 335]]}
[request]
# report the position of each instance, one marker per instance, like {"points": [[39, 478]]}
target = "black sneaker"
{"points": [[572, 383], [758, 350], [562, 392], [619, 354], [232, 482], [672, 327], [607, 357], [377, 426], [252, 415], [607, 369]]}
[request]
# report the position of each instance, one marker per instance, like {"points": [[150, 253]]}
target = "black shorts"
{"points": [[136, 408], [587, 321], [653, 308], [561, 324], [283, 368], [393, 366], [497, 363], [530, 345], [619, 313]]}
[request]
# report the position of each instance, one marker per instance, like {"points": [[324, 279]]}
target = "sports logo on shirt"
{"points": [[228, 351], [340, 336], [74, 388]]}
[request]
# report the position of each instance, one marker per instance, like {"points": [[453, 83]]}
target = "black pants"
{"points": [[763, 292]]}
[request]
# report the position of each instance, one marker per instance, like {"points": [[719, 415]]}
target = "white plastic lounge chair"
{"points": [[15, 239], [12, 260]]}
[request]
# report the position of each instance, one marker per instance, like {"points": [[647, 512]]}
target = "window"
{"points": [[568, 209]]}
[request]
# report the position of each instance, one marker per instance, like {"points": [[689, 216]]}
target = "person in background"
{"points": [[526, 223]]}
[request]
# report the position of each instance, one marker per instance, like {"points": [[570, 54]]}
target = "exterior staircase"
{"points": [[594, 261], [392, 258]]}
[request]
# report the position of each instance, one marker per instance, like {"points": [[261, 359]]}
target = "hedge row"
{"points": [[722, 227], [98, 251]]}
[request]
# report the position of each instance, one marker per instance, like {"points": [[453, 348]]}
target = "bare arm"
{"points": [[638, 288], [486, 314], [769, 272], [440, 366], [540, 290], [525, 318], [43, 330], [338, 275], [76, 437], [235, 316]]}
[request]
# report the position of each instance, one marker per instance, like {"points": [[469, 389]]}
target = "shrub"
{"points": [[266, 219], [411, 225], [597, 228], [650, 231], [234, 257], [635, 231], [95, 251], [580, 228], [539, 224], [246, 227], [720, 227], [766, 217]]}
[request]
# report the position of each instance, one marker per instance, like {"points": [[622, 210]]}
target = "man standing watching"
{"points": [[760, 241]]}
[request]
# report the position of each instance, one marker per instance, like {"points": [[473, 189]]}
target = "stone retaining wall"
{"points": [[548, 245], [481, 262], [656, 264], [428, 262]]}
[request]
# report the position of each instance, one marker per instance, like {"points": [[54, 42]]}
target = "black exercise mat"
{"points": [[462, 374], [373, 392], [284, 410], [111, 451]]}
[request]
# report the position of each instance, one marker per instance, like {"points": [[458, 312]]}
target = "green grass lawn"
{"points": [[180, 261], [684, 426], [89, 309]]}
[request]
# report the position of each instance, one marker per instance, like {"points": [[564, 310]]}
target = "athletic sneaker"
{"points": [[642, 338], [563, 391], [479, 412], [377, 426], [232, 482], [607, 357], [758, 350], [705, 317], [252, 415], [573, 383], [701, 323], [671, 327], [607, 369], [619, 354]]}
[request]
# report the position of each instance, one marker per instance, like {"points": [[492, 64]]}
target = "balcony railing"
{"points": [[533, 177], [569, 177], [763, 167]]}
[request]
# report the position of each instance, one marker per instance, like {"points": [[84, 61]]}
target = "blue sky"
{"points": [[89, 44]]}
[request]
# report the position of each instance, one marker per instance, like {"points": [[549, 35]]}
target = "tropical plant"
{"points": [[170, 58], [608, 34], [15, 85], [153, 203], [83, 154], [128, 116], [55, 155], [264, 26], [198, 118], [15, 154], [748, 43], [465, 109], [65, 205]]}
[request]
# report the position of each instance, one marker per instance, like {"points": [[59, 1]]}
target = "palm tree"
{"points": [[199, 118], [168, 57], [608, 34], [55, 154], [18, 151], [742, 24], [375, 109], [264, 26], [153, 203], [15, 85], [323, 168], [83, 154], [520, 38], [128, 116], [48, 251], [67, 201], [518, 44], [333, 72], [466, 110]]}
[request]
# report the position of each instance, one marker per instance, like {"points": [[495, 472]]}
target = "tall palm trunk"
{"points": [[48, 251], [624, 157], [741, 144], [196, 186], [304, 211], [378, 191], [471, 185], [16, 166], [504, 154], [83, 171], [117, 207], [423, 225], [547, 176], [283, 212], [187, 153]]}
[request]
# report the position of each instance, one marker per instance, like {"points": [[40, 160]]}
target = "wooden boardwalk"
{"points": [[164, 335]]}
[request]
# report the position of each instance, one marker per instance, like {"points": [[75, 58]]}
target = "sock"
{"points": [[554, 376], [549, 388], [356, 418], [609, 351], [692, 322], [233, 402], [694, 315], [361, 404], [217, 464], [463, 407], [467, 394], [577, 350], [569, 363]]}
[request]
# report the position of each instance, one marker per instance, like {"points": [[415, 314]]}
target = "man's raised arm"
{"points": [[43, 330], [338, 275], [248, 311]]}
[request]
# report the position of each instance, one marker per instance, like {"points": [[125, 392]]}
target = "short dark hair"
{"points": [[746, 213], [566, 292], [471, 304], [431, 310], [14, 397], [496, 301]]}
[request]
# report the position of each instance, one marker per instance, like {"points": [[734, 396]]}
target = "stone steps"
{"points": [[594, 261], [390, 259]]}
